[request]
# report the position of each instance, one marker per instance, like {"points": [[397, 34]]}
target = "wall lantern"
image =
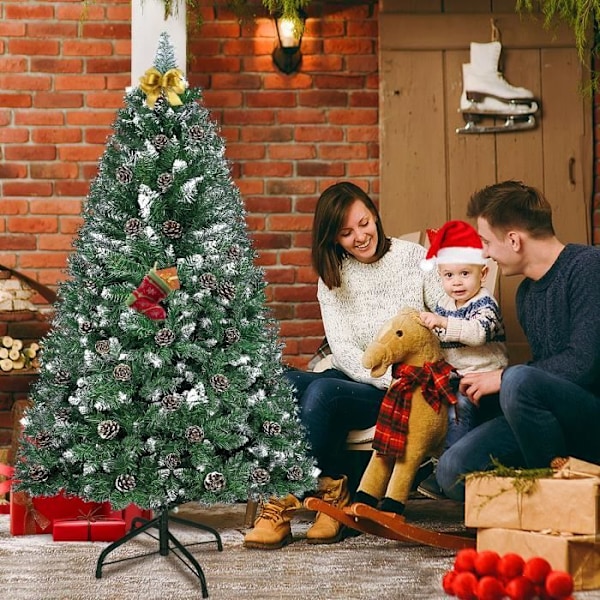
{"points": [[286, 55]]}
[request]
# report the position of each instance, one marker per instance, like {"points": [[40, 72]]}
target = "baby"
{"points": [[467, 321]]}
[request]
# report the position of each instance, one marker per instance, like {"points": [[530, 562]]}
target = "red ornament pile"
{"points": [[486, 575]]}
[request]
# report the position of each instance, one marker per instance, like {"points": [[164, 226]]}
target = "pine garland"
{"points": [[524, 480], [581, 16]]}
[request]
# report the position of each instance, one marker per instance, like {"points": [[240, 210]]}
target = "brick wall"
{"points": [[288, 137]]}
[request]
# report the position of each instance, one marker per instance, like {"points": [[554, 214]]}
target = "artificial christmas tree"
{"points": [[161, 378]]}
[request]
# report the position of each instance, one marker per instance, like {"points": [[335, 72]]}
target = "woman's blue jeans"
{"points": [[544, 417], [331, 404]]}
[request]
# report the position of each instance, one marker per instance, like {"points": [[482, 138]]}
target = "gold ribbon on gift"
{"points": [[32, 515], [155, 84]]}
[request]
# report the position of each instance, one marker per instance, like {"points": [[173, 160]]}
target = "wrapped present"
{"points": [[568, 502], [35, 515], [578, 555], [88, 528], [131, 512], [6, 475]]}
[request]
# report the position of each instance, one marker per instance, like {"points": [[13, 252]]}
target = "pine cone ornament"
{"points": [[208, 281], [194, 434], [125, 483], [102, 347], [164, 337], [124, 175], [272, 428], [61, 416], [172, 229], [295, 473], [196, 133], [260, 476], [219, 382], [226, 290], [214, 481], [171, 401], [85, 327], [231, 335], [163, 183], [108, 430], [61, 377], [234, 252], [172, 461], [160, 141], [38, 473], [122, 372], [43, 439], [133, 226]]}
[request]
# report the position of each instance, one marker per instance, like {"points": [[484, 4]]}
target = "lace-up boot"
{"points": [[326, 530], [272, 528]]}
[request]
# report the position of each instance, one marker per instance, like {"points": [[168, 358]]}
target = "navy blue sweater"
{"points": [[560, 315]]}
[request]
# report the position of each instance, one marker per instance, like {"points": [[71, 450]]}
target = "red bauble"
{"points": [[490, 588], [510, 566], [486, 563], [520, 588], [447, 581], [465, 560], [559, 585], [465, 586], [536, 569]]}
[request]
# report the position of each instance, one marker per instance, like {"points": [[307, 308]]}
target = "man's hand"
{"points": [[476, 385]]}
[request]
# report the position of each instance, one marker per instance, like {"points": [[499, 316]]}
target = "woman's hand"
{"points": [[476, 385]]}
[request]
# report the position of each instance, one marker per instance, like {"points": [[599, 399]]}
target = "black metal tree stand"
{"points": [[166, 542]]}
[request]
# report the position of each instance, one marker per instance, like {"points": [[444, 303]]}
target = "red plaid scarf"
{"points": [[392, 423]]}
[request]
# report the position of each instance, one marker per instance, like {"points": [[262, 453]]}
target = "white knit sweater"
{"points": [[368, 296], [474, 340]]}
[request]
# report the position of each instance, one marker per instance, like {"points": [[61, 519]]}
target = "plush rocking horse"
{"points": [[412, 425]]}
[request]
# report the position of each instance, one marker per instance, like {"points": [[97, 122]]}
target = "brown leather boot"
{"points": [[326, 530], [272, 528]]}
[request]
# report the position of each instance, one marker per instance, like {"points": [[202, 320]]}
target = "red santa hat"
{"points": [[456, 242]]}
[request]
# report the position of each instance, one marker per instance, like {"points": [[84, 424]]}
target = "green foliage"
{"points": [[194, 406], [581, 16]]}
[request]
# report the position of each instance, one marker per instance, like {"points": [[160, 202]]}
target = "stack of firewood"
{"points": [[14, 356]]}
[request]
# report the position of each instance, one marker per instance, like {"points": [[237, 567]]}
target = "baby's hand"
{"points": [[430, 320]]}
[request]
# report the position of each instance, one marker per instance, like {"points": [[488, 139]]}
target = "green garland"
{"points": [[581, 16]]}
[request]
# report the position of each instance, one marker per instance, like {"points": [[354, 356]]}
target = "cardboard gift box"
{"points": [[569, 502], [35, 515], [578, 555], [88, 529]]}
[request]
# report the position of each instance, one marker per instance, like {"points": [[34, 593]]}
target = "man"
{"points": [[551, 406]]}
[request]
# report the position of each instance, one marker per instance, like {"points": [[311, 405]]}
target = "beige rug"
{"points": [[36, 568], [364, 567]]}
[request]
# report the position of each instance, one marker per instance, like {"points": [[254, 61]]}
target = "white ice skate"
{"points": [[487, 94]]}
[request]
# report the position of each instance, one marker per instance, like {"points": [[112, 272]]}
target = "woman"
{"points": [[364, 279]]}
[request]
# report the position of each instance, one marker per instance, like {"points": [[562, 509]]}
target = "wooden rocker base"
{"points": [[367, 519], [349, 521]]}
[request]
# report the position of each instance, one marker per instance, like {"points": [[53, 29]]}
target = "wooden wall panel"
{"points": [[456, 31], [564, 130], [471, 158], [413, 159]]}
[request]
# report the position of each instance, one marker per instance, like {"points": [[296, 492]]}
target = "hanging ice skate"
{"points": [[487, 95]]}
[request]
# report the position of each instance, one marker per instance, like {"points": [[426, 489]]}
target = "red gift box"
{"points": [[88, 529], [35, 515], [129, 513]]}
